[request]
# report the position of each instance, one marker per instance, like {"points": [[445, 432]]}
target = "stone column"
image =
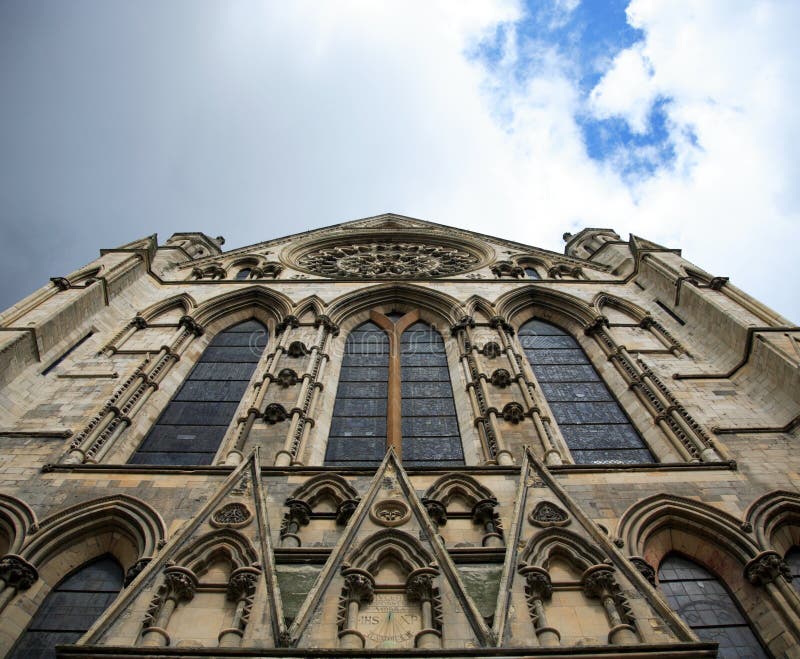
{"points": [[539, 589], [420, 588], [241, 589], [483, 513], [181, 585], [16, 575], [299, 514], [599, 583], [359, 588]]}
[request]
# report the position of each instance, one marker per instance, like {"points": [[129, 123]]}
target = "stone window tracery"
{"points": [[595, 427], [71, 608], [394, 390], [702, 600], [192, 426]]}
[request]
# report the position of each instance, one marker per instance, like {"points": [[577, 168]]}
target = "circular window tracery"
{"points": [[387, 257]]}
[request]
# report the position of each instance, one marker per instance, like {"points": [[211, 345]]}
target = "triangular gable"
{"points": [[550, 532], [389, 561], [231, 528]]}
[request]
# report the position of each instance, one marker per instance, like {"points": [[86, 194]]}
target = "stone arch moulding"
{"points": [[17, 520], [479, 306], [522, 304], [443, 306], [645, 518], [481, 500], [603, 300], [261, 302], [312, 304], [132, 518], [542, 547], [771, 513], [300, 505], [226, 543], [184, 302]]}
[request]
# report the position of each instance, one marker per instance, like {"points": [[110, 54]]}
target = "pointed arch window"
{"points": [[71, 608], [793, 560], [191, 428], [394, 390], [703, 601], [244, 273], [595, 427]]}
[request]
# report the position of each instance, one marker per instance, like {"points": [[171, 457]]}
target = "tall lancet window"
{"points": [[593, 424], [191, 428], [704, 603], [429, 426], [358, 427], [394, 390], [71, 608]]}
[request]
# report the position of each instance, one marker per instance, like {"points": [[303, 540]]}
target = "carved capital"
{"points": [[275, 413], [345, 511], [299, 511], [419, 585], [139, 322], [464, 323], [645, 569], [501, 378], [325, 321], [182, 583], [436, 511], [297, 349], [492, 350], [537, 582], [135, 570], [598, 581], [61, 283], [766, 568], [191, 325], [513, 412], [359, 586], [17, 572], [288, 321], [498, 322], [286, 378], [483, 511], [242, 583], [597, 323]]}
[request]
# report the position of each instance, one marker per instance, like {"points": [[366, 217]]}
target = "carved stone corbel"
{"points": [[766, 568]]}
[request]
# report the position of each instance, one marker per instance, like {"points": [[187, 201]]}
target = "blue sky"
{"points": [[670, 119]]}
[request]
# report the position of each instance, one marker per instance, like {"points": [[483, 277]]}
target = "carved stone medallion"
{"points": [[547, 514], [232, 515], [390, 512], [388, 260]]}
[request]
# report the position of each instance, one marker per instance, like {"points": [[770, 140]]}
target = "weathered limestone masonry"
{"points": [[395, 438]]}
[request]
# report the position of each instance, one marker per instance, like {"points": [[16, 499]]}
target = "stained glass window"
{"points": [[593, 424], [358, 429], [70, 609], [192, 426], [430, 426], [793, 559], [704, 603]]}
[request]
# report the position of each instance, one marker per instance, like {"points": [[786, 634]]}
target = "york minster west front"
{"points": [[393, 438]]}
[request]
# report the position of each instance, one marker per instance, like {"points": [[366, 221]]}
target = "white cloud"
{"points": [[256, 119]]}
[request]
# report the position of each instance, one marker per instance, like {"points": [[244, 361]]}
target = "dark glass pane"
{"points": [[415, 389], [358, 428], [244, 273], [705, 604], [530, 273], [577, 391], [593, 424], [360, 407], [793, 559], [194, 422], [70, 609], [211, 390], [429, 425], [428, 407]]}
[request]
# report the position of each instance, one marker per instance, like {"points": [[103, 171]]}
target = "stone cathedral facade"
{"points": [[395, 438]]}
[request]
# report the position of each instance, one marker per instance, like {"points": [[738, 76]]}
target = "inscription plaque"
{"points": [[390, 622]]}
